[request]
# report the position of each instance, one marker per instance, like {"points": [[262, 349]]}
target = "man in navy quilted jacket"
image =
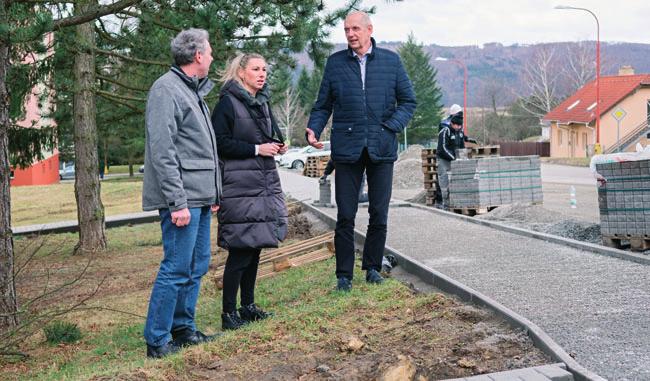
{"points": [[366, 90]]}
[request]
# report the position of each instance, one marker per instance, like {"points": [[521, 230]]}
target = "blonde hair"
{"points": [[230, 73]]}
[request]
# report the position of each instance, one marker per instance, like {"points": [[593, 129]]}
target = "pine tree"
{"points": [[23, 24], [428, 94]]}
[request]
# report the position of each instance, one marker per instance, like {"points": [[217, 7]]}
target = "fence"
{"points": [[543, 149]]}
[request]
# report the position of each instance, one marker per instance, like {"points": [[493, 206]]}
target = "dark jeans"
{"points": [[348, 181], [176, 289], [240, 271]]}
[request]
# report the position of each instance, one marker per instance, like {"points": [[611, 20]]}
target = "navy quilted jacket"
{"points": [[364, 118]]}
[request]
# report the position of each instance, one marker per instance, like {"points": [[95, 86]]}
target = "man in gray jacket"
{"points": [[182, 181]]}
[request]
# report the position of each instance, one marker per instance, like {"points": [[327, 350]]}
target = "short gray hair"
{"points": [[364, 17], [187, 43]]}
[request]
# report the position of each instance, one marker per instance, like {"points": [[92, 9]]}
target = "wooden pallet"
{"points": [[315, 166], [484, 151], [274, 261], [430, 197], [469, 211], [636, 243]]}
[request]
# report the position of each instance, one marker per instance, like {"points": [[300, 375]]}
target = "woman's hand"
{"points": [[268, 149]]}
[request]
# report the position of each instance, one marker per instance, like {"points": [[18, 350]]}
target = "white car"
{"points": [[297, 159]]}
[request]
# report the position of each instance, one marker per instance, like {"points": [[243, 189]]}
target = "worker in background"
{"points": [[450, 138]]}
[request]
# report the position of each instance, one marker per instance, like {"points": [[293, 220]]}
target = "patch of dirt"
{"points": [[299, 228], [440, 339], [537, 218]]}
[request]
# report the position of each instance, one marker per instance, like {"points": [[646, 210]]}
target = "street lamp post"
{"points": [[597, 69], [465, 112]]}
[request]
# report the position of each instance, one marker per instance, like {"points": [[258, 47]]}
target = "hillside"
{"points": [[498, 66]]}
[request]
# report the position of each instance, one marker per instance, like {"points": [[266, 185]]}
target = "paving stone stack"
{"points": [[488, 182], [624, 203]]}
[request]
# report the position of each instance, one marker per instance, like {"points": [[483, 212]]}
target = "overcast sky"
{"points": [[475, 22]]}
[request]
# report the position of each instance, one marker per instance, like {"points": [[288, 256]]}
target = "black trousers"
{"points": [[348, 182], [240, 271]]}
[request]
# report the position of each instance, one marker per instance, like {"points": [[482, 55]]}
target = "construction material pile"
{"points": [[624, 203], [315, 166], [480, 185]]}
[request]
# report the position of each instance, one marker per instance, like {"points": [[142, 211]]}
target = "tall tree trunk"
{"points": [[90, 210], [8, 305]]}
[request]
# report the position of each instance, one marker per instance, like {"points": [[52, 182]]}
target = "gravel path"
{"points": [[594, 306]]}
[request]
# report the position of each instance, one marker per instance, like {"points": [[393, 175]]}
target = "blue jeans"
{"points": [[176, 289]]}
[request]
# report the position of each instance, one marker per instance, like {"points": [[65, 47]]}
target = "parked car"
{"points": [[66, 171], [291, 150], [297, 159]]}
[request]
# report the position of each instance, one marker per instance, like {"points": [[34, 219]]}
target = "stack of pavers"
{"points": [[624, 202], [477, 186], [315, 166], [429, 169]]}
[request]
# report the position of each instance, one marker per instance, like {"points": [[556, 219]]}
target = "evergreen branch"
{"points": [[122, 97], [154, 20], [93, 14], [101, 31], [258, 37], [121, 84], [41, 1], [131, 59], [109, 97]]}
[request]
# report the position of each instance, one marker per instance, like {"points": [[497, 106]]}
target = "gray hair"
{"points": [[187, 43], [365, 18]]}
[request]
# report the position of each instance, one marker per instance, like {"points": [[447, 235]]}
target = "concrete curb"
{"points": [[585, 246], [449, 285], [72, 226]]}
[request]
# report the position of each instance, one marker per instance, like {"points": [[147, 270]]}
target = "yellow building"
{"points": [[625, 97]]}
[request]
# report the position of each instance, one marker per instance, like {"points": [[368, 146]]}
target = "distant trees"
{"points": [[427, 116]]}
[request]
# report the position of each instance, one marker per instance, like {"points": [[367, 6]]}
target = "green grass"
{"points": [[121, 169], [302, 298], [51, 203]]}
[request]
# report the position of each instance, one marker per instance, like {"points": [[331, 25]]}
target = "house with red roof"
{"points": [[624, 115]]}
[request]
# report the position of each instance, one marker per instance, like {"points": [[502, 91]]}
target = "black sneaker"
{"points": [[344, 284], [231, 320], [372, 276], [162, 351], [187, 337], [252, 312]]}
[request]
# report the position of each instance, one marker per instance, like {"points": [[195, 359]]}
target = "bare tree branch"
{"points": [[108, 96], [121, 84], [132, 59], [95, 13]]}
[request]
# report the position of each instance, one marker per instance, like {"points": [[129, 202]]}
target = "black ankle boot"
{"points": [[252, 312], [231, 320]]}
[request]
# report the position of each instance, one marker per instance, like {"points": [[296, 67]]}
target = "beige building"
{"points": [[573, 122]]}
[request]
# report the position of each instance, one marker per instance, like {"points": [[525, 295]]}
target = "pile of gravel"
{"points": [[407, 170], [537, 218]]}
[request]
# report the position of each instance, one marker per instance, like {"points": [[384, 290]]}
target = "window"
{"points": [[574, 104], [559, 137], [584, 140], [11, 174]]}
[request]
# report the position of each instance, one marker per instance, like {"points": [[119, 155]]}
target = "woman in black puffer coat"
{"points": [[252, 213]]}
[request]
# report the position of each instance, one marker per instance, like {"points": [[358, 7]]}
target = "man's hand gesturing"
{"points": [[311, 139]]}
